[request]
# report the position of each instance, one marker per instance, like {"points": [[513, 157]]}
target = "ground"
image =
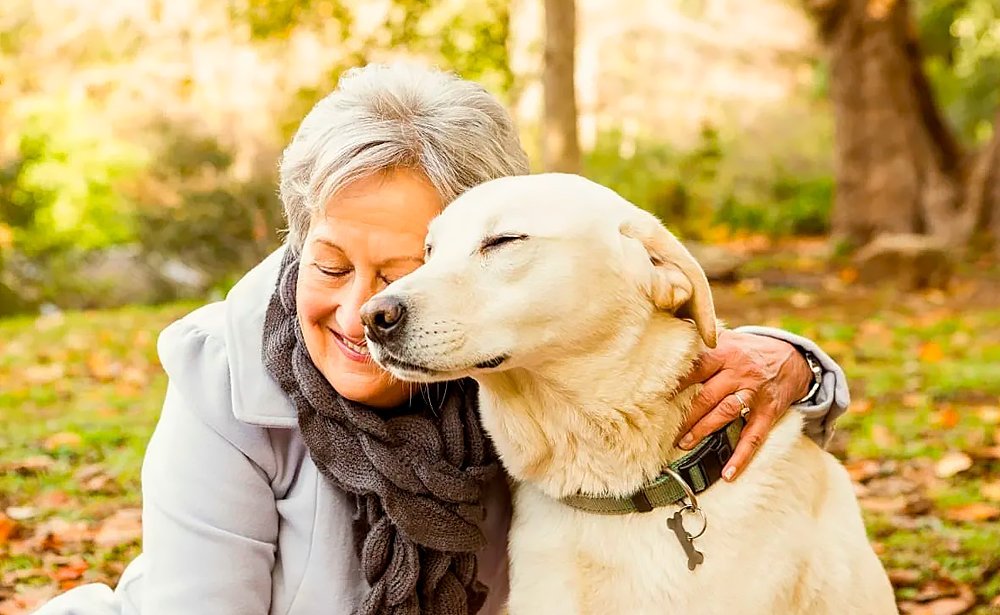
{"points": [[81, 393]]}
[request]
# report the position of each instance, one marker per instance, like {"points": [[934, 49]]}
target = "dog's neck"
{"points": [[600, 423]]}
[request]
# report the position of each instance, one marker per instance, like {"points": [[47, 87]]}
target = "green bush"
{"points": [[197, 211], [62, 188], [786, 204], [690, 193], [675, 185]]}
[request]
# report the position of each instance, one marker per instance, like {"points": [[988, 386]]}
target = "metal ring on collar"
{"points": [[744, 408], [688, 491], [692, 504]]}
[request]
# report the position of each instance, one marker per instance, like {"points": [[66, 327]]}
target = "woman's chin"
{"points": [[367, 384]]}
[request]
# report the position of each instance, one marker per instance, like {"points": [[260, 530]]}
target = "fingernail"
{"points": [[687, 441], [729, 473]]}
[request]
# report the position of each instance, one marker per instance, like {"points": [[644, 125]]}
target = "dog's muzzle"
{"points": [[383, 317]]}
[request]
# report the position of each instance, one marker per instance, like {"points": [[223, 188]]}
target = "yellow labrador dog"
{"points": [[577, 313]]}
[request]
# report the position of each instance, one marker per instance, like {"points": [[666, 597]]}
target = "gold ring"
{"points": [[744, 408]]}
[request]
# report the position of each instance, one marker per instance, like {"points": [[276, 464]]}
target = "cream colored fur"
{"points": [[584, 310]]}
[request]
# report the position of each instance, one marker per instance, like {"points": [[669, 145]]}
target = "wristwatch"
{"points": [[817, 372]]}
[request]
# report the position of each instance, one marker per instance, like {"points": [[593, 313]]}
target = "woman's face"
{"points": [[370, 234]]}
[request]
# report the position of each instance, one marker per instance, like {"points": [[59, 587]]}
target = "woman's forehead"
{"points": [[381, 217]]}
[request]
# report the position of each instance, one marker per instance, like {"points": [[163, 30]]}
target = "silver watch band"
{"points": [[817, 372]]}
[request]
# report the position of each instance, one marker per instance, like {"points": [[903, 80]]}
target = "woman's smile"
{"points": [[353, 350]]}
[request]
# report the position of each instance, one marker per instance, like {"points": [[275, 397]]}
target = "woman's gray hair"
{"points": [[382, 117]]}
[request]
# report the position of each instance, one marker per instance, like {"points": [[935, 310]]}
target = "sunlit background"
{"points": [[835, 164]]}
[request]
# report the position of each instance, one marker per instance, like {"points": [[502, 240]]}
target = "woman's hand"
{"points": [[769, 374]]}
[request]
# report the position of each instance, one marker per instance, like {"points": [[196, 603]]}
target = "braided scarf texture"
{"points": [[417, 473]]}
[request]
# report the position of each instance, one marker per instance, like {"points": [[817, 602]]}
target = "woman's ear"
{"points": [[677, 283]]}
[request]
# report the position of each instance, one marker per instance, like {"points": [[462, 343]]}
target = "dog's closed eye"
{"points": [[495, 241]]}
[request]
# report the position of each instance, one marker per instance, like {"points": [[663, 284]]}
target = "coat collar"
{"points": [[257, 398]]}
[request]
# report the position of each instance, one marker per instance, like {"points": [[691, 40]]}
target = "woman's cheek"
{"points": [[316, 302]]}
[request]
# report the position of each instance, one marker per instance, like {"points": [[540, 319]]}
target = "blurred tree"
{"points": [[560, 144], [468, 37], [900, 165]]}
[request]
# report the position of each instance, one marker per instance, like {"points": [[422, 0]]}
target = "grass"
{"points": [[81, 393]]}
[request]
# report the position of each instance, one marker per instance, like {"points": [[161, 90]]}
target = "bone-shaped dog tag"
{"points": [[676, 523]]}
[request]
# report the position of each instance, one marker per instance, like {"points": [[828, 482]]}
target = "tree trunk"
{"points": [[560, 145], [899, 166]]}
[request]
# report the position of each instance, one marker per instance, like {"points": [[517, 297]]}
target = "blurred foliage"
{"points": [[696, 189], [79, 189], [194, 209], [62, 188], [961, 42], [469, 38]]}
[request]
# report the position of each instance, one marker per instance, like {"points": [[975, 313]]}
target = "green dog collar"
{"points": [[700, 469]]}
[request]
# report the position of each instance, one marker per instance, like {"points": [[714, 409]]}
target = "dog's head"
{"points": [[524, 270]]}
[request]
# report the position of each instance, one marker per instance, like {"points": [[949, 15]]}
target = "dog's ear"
{"points": [[678, 283]]}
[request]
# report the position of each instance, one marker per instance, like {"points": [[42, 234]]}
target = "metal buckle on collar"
{"points": [[711, 459]]}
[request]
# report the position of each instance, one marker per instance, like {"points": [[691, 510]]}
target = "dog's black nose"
{"points": [[383, 315]]}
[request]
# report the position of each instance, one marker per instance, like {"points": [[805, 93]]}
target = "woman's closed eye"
{"points": [[333, 272]]}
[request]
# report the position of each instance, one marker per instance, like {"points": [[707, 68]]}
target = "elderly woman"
{"points": [[279, 478]]}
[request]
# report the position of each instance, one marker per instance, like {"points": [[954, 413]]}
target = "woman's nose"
{"points": [[349, 312]]}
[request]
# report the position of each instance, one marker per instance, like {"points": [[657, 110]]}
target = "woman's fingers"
{"points": [[704, 368], [759, 423], [725, 409]]}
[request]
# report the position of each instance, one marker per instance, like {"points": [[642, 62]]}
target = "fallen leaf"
{"points": [[937, 588], [123, 527], [989, 415], [43, 374], [914, 400], [956, 602], [848, 275], [883, 437], [972, 512], [135, 376], [30, 465], [102, 368], [861, 470], [98, 483], [947, 417], [27, 599], [63, 439], [70, 571], [985, 452], [991, 490], [56, 533], [749, 286], [885, 505], [860, 406], [952, 463], [7, 526], [21, 513], [900, 577], [87, 472], [801, 300], [52, 499], [930, 352]]}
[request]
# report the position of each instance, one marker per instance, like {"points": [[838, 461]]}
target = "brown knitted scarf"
{"points": [[417, 473]]}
